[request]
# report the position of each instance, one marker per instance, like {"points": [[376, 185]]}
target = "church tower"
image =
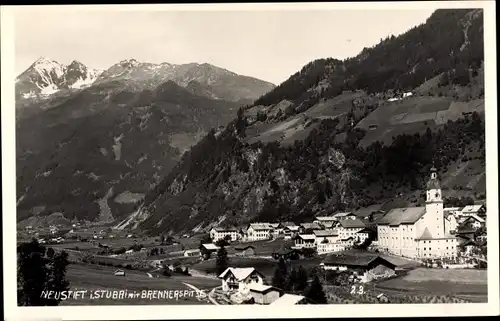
{"points": [[434, 211]]}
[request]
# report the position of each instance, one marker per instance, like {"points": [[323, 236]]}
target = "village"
{"points": [[366, 246]]}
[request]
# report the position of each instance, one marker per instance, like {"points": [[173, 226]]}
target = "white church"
{"points": [[420, 232]]}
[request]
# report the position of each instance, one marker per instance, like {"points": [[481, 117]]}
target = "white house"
{"points": [[305, 241], [351, 228], [419, 232], [328, 241], [240, 279], [258, 231], [220, 233]]}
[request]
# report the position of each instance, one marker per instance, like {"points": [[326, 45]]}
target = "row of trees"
{"points": [[38, 270], [296, 280]]}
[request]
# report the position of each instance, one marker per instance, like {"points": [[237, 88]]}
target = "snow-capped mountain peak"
{"points": [[46, 76]]}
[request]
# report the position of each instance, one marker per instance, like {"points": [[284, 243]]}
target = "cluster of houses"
{"points": [[429, 231], [247, 284]]}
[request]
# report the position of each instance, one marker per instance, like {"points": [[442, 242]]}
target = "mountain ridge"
{"points": [[332, 135]]}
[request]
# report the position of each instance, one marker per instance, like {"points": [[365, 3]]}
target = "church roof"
{"points": [[426, 235], [397, 216]]}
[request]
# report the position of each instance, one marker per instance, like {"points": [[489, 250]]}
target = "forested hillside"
{"points": [[330, 139]]}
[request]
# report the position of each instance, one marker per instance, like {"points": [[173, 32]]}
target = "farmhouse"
{"points": [[367, 267], [263, 294], [220, 233], [245, 251], [305, 241], [421, 232], [352, 228], [290, 299], [240, 278], [328, 241], [259, 231]]}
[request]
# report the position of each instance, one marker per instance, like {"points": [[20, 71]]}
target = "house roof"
{"points": [[286, 224], [256, 287], [366, 211], [311, 226], [340, 215], [239, 273], [323, 233], [293, 228], [288, 299], [476, 218], [407, 215], [472, 208], [355, 259], [325, 218], [307, 236], [328, 224], [427, 235], [225, 229], [261, 226], [210, 246], [356, 223], [244, 248], [274, 225], [192, 251]]}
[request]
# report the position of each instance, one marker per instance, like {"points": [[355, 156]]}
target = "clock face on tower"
{"points": [[437, 194]]}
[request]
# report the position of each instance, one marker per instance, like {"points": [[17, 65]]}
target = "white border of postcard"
{"points": [[12, 312]]}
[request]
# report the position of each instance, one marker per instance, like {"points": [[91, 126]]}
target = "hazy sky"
{"points": [[270, 45]]}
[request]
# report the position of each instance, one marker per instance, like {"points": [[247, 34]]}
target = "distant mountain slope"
{"points": [[306, 147], [79, 155], [216, 83]]}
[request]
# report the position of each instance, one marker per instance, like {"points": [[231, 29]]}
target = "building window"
{"points": [[425, 248]]}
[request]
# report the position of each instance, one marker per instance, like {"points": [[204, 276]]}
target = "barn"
{"points": [[366, 267], [263, 294], [245, 251]]}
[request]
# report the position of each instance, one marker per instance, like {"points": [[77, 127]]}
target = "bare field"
{"points": [[94, 277], [467, 284]]}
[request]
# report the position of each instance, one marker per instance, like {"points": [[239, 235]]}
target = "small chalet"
{"points": [[366, 267], [305, 241], [245, 251], [210, 247], [263, 294], [240, 278], [290, 299]]}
